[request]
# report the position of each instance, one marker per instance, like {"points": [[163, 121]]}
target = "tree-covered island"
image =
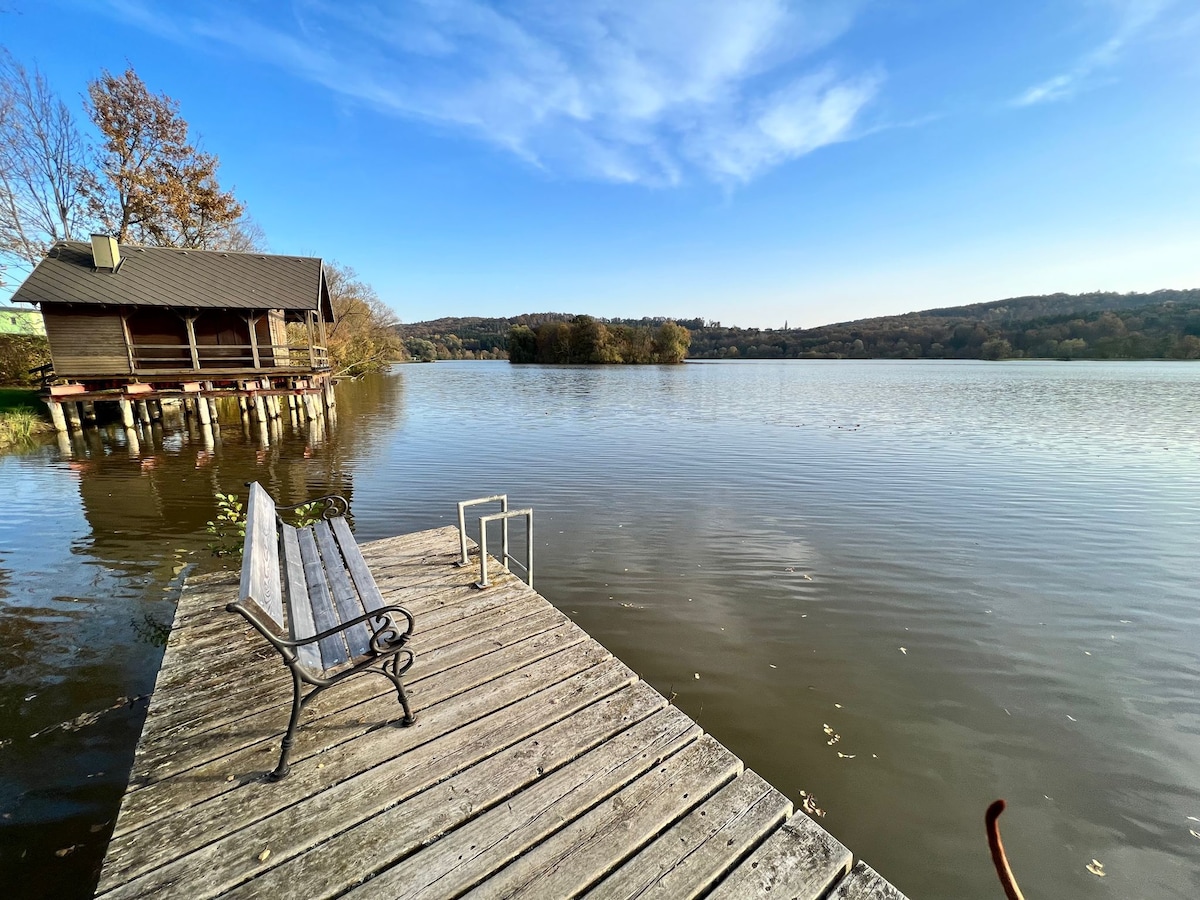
{"points": [[585, 340]]}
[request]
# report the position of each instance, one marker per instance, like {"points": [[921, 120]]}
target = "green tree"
{"points": [[590, 342], [554, 343], [996, 348], [522, 344], [671, 343], [421, 350]]}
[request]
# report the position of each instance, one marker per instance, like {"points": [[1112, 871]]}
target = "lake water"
{"points": [[983, 577]]}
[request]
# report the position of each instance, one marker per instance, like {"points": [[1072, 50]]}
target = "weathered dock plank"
{"points": [[800, 860], [689, 858], [538, 766], [575, 857], [864, 883]]}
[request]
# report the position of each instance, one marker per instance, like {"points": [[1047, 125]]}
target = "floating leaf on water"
{"points": [[1096, 868], [1193, 819], [808, 803], [842, 755], [1072, 718], [827, 729], [1194, 833], [697, 676], [838, 705], [65, 850], [262, 857], [904, 650], [772, 665]]}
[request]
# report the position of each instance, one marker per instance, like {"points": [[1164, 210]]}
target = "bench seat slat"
{"points": [[300, 619], [368, 591], [333, 648], [358, 639]]}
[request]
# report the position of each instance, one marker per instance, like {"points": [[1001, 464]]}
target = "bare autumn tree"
{"points": [[363, 337], [44, 173], [156, 186], [243, 236]]}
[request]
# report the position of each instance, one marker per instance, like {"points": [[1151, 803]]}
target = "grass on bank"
{"points": [[21, 416]]}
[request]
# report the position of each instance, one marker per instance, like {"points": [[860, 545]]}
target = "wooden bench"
{"points": [[336, 623]]}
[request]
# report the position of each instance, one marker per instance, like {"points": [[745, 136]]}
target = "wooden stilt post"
{"points": [[89, 411], [143, 411], [212, 409], [126, 412], [56, 416], [204, 412], [73, 419], [260, 408]]}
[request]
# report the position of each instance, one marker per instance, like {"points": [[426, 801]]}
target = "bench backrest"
{"points": [[324, 581], [260, 556]]}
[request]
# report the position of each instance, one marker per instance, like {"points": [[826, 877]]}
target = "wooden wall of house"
{"points": [[86, 341], [277, 331]]}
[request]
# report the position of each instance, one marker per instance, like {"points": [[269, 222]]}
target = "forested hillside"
{"points": [[1160, 325]]}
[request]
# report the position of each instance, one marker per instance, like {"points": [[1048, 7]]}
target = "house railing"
{"points": [[196, 357]]}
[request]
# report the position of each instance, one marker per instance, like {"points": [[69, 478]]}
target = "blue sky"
{"points": [[749, 161]]}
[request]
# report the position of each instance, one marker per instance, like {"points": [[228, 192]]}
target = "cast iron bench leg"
{"points": [[394, 677], [297, 705]]}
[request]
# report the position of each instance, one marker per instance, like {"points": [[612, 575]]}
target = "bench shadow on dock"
{"points": [[539, 766]]}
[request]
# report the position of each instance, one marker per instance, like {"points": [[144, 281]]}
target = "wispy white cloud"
{"points": [[1132, 19], [641, 91]]}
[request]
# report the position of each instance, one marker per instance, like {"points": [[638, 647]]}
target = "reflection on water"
{"points": [[980, 576]]}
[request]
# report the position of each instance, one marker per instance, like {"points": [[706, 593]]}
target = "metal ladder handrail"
{"points": [[527, 514], [462, 524]]}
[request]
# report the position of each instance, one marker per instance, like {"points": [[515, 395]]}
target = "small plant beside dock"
{"points": [[20, 419]]}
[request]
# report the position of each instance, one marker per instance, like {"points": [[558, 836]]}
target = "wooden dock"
{"points": [[540, 766]]}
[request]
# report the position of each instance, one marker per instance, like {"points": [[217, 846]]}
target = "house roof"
{"points": [[168, 276]]}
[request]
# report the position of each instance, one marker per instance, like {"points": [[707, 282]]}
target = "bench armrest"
{"points": [[387, 634], [335, 505]]}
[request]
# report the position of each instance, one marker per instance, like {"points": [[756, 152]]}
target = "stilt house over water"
{"points": [[128, 320]]}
